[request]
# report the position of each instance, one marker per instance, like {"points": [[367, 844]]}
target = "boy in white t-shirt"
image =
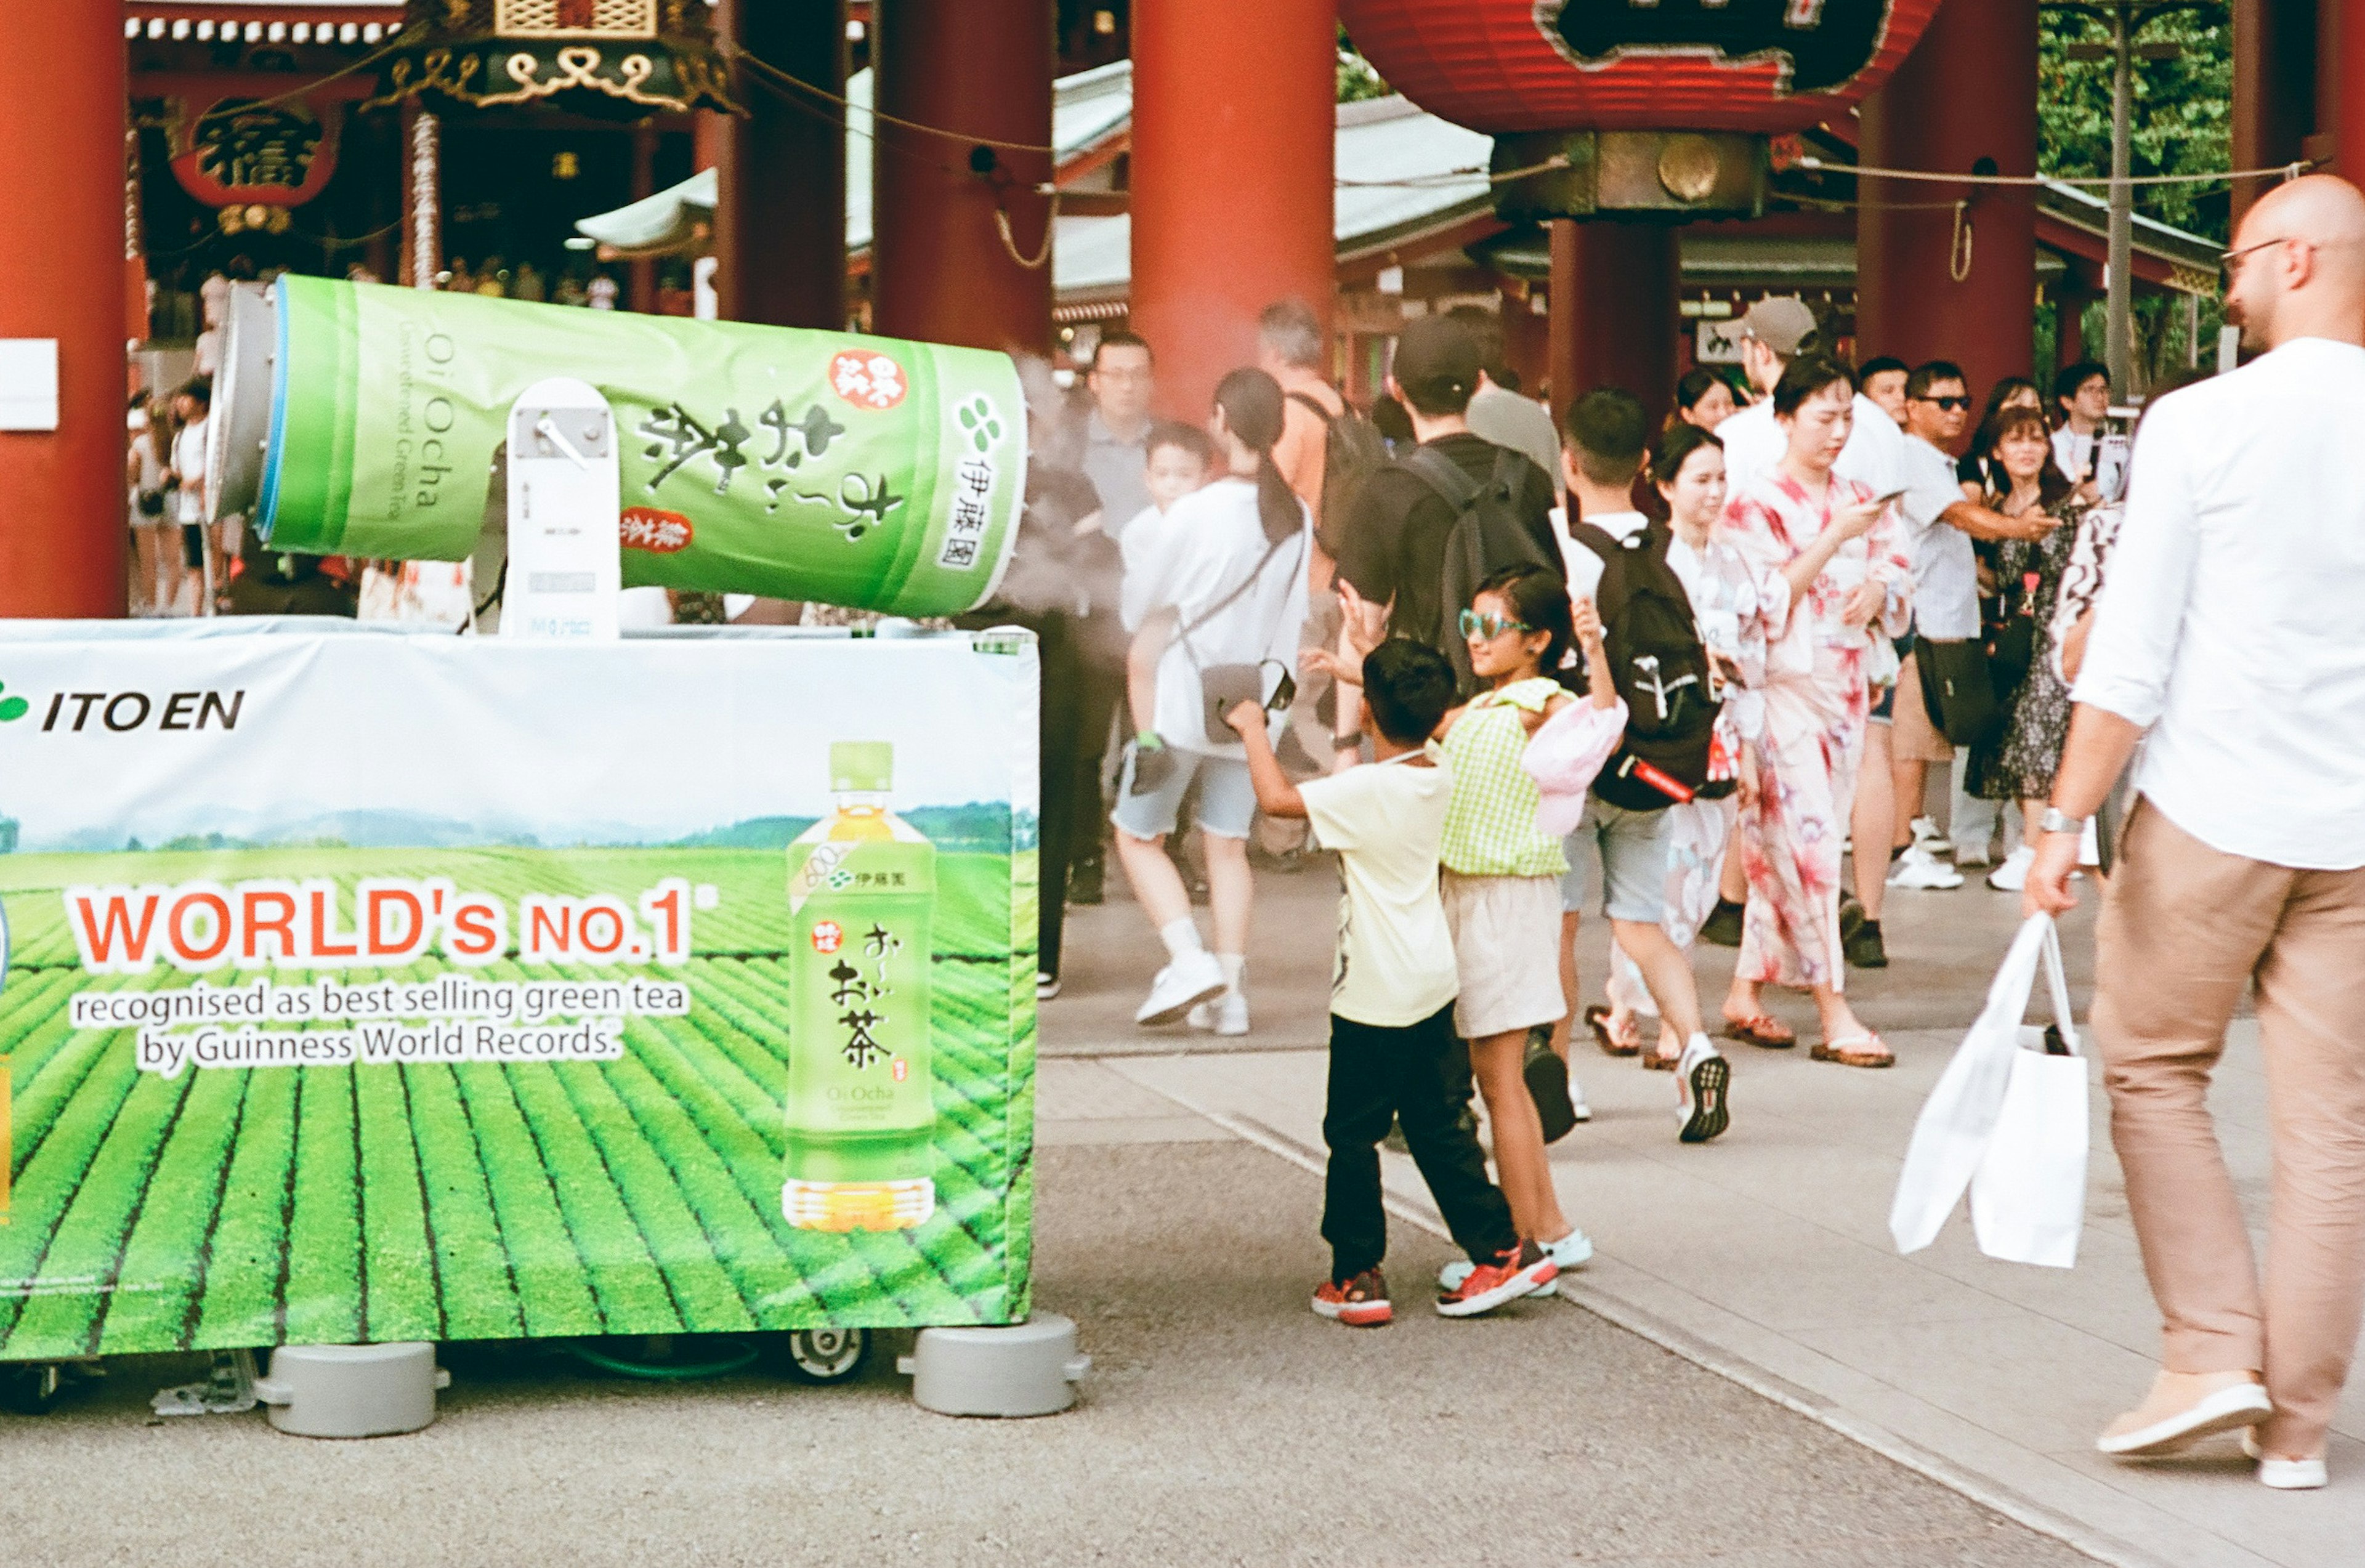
{"points": [[1393, 1054]]}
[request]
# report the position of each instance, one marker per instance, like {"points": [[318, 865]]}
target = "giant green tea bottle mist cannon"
{"points": [[361, 419], [815, 466]]}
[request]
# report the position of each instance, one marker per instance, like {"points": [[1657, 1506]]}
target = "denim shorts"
{"points": [[1227, 799], [1632, 849]]}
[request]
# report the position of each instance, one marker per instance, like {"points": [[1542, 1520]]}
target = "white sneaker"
{"points": [[1571, 1251], [1577, 1103], [1919, 869], [1927, 836], [1182, 985], [2012, 875], [1226, 1016], [1046, 986], [1702, 1077]]}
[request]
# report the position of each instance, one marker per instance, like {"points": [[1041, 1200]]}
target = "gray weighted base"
{"points": [[1029, 1369], [351, 1390]]}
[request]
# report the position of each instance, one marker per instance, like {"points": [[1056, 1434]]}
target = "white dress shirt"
{"points": [[1874, 455], [1945, 568], [2232, 621], [2073, 454]]}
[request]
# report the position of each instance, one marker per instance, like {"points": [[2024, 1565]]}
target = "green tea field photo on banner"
{"points": [[359, 987]]}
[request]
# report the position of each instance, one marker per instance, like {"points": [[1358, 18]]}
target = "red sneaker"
{"points": [[1358, 1303], [1507, 1279]]}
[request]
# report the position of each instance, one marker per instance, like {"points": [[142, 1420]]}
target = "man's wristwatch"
{"points": [[2055, 820]]}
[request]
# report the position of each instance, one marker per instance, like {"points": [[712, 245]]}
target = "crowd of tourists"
{"points": [[1799, 616], [1662, 664]]}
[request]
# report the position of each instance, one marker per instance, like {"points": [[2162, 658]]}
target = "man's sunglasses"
{"points": [[1949, 404], [2230, 263], [1489, 626]]}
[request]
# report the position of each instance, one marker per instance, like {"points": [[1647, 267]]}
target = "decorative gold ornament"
{"points": [[1688, 167], [655, 55]]}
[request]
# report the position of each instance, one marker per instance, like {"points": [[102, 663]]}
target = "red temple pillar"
{"points": [[779, 225], [2340, 108], [944, 267], [1965, 101], [641, 289], [61, 497], [2275, 44], [1235, 122], [1526, 337], [1613, 310]]}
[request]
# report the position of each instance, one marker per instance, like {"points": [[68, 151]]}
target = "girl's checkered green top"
{"points": [[1490, 824]]}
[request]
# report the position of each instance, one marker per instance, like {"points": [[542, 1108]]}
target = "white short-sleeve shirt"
{"points": [[1946, 569], [1396, 964]]}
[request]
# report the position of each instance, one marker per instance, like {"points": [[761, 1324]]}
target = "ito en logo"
{"points": [[11, 708]]}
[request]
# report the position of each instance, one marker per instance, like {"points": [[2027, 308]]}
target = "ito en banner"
{"points": [[360, 987]]}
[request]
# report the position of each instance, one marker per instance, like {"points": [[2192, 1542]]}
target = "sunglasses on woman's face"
{"points": [[1489, 626]]}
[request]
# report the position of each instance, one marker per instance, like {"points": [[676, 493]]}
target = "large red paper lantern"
{"points": [[1559, 65]]}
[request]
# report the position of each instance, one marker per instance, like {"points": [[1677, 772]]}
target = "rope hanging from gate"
{"points": [[1010, 241]]}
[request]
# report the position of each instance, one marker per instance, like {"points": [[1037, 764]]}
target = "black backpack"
{"points": [[1488, 534], [1352, 451], [1660, 668]]}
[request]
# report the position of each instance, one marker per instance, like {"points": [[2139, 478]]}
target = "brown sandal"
{"points": [[1866, 1049], [1596, 1018], [1653, 1062], [1761, 1029]]}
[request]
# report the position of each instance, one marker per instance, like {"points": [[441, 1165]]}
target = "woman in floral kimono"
{"points": [[1838, 552]]}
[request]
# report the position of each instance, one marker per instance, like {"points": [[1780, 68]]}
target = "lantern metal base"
{"points": [[1027, 1369], [1630, 174], [351, 1390]]}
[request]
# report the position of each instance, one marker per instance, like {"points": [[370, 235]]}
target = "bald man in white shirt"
{"points": [[2228, 641]]}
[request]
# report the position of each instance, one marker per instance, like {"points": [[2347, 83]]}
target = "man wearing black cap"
{"points": [[1394, 553]]}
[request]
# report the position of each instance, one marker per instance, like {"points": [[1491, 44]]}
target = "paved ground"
{"points": [[1224, 1423], [1768, 1255]]}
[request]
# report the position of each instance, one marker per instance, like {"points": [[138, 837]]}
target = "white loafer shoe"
{"points": [[2284, 1474], [2236, 1405]]}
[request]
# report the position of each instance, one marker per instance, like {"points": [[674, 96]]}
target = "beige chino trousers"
{"points": [[2184, 928]]}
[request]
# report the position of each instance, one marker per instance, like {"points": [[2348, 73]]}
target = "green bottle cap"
{"points": [[865, 768]]}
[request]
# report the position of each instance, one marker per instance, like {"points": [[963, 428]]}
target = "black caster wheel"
{"points": [[31, 1390], [824, 1355]]}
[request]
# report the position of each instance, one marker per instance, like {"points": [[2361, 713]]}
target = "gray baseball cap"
{"points": [[1781, 324]]}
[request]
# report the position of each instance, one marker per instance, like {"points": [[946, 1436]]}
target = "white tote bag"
{"points": [[1958, 1124], [2028, 1197]]}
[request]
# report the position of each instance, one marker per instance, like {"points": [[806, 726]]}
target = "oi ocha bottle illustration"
{"points": [[861, 1112]]}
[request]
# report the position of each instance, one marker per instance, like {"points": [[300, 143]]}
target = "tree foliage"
{"points": [[2183, 110], [2182, 124]]}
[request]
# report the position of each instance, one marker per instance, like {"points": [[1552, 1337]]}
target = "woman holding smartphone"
{"points": [[1832, 566]]}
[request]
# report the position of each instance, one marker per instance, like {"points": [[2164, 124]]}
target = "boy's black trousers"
{"points": [[1418, 1075]]}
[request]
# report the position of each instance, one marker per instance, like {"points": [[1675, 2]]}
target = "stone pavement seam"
{"points": [[1766, 1384]]}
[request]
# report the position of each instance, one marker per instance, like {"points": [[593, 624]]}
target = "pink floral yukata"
{"points": [[1817, 697]]}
